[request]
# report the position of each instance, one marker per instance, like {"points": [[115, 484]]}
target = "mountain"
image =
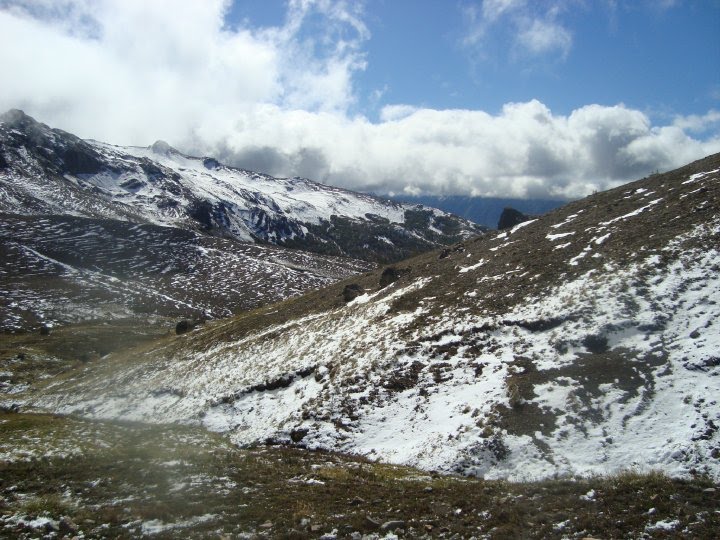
{"points": [[49, 171], [583, 341], [485, 211]]}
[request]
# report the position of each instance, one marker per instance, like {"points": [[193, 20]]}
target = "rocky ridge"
{"points": [[48, 171]]}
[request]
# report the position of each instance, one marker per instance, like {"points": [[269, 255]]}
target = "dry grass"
{"points": [[128, 474]]}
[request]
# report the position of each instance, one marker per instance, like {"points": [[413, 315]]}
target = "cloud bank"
{"points": [[280, 100]]}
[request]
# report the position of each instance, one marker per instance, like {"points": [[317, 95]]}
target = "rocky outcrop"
{"points": [[511, 217]]}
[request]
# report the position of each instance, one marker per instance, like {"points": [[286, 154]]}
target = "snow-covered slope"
{"points": [[585, 341], [56, 270], [48, 171]]}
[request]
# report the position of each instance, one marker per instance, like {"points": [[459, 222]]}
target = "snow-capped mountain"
{"points": [[583, 341], [49, 171]]}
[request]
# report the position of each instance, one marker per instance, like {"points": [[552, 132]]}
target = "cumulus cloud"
{"points": [[114, 68], [523, 151], [277, 100]]}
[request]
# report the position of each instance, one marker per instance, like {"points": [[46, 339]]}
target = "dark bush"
{"points": [[595, 343]]}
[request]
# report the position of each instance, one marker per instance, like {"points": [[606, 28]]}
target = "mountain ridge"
{"points": [[49, 171]]}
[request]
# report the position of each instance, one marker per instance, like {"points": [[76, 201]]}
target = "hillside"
{"points": [[584, 341], [46, 171], [59, 270]]}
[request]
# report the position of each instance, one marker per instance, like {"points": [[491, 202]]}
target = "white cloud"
{"points": [[528, 28], [390, 113], [114, 68], [525, 150], [698, 123], [540, 36], [277, 100]]}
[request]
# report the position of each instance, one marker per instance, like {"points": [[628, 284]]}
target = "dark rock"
{"points": [[694, 334], [82, 159], [66, 527], [132, 184], [540, 325], [184, 326], [511, 217], [211, 163], [202, 212], [44, 330], [49, 527], [298, 435], [357, 501], [445, 253], [13, 408], [370, 523], [351, 292], [392, 525], [390, 275]]}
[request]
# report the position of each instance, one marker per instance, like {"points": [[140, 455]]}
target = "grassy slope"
{"points": [[535, 263], [111, 480]]}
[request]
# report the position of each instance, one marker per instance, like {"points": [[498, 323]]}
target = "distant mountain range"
{"points": [[584, 341], [485, 211]]}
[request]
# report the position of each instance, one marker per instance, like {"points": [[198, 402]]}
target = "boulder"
{"points": [[351, 292], [184, 326], [390, 275], [511, 217], [392, 525]]}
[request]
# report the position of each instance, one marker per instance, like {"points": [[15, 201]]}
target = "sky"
{"points": [[507, 98]]}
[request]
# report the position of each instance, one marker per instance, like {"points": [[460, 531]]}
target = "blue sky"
{"points": [[529, 98], [659, 57]]}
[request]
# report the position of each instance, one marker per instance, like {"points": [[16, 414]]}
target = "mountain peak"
{"points": [[17, 117], [162, 147]]}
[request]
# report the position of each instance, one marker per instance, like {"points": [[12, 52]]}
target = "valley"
{"points": [[195, 350]]}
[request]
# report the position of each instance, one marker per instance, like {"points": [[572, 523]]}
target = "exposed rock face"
{"points": [[511, 217]]}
